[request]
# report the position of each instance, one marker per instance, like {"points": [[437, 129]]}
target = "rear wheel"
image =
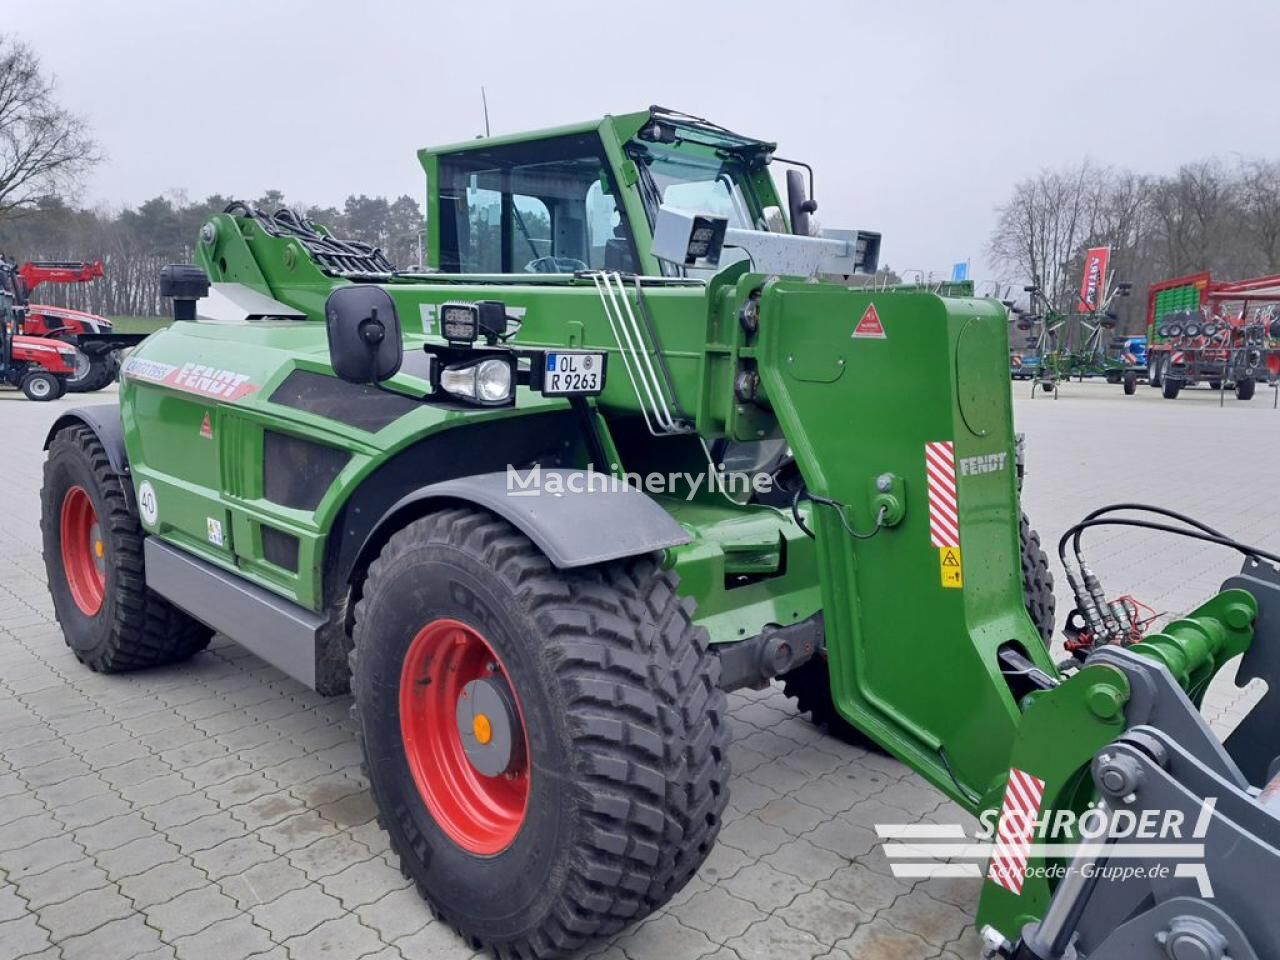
{"points": [[93, 561], [810, 684], [547, 748], [97, 373], [1245, 388], [40, 386], [1155, 372]]}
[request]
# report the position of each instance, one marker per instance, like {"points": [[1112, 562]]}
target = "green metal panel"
{"points": [[913, 662]]}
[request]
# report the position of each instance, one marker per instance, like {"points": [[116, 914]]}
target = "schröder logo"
{"points": [[1016, 845], [535, 482]]}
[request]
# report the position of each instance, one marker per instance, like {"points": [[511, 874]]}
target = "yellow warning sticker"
{"points": [[949, 565]]}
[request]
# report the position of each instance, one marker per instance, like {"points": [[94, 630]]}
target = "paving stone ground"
{"points": [[216, 809]]}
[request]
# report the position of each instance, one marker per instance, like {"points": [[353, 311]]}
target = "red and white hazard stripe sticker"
{"points": [[1022, 798], [944, 516], [1178, 357]]}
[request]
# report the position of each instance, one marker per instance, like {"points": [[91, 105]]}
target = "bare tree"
{"points": [[1260, 201], [44, 149], [1040, 231]]}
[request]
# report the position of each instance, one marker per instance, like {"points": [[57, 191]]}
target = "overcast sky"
{"points": [[918, 116]]}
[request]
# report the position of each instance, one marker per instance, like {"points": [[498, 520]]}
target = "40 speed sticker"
{"points": [[147, 505]]}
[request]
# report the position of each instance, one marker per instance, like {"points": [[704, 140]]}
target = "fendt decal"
{"points": [[197, 378], [988, 463]]}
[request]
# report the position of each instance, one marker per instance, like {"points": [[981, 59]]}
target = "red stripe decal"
{"points": [[1022, 797], [944, 513]]}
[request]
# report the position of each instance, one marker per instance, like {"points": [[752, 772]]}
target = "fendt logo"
{"points": [[988, 463]]}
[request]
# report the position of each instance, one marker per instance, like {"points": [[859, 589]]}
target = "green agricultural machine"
{"points": [[1076, 345], [633, 438]]}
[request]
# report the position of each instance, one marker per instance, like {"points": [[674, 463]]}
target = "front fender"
{"points": [[572, 516]]}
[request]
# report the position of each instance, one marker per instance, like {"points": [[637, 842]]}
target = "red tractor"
{"points": [[38, 366], [97, 345]]}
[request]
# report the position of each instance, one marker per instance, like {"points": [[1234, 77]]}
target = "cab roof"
{"points": [[625, 126]]}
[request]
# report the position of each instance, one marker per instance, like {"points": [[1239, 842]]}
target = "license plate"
{"points": [[573, 374]]}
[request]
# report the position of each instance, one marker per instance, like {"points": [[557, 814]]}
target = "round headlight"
{"points": [[493, 380]]}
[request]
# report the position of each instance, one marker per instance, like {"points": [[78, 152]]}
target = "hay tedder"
{"points": [[616, 451], [1076, 344], [1225, 334]]}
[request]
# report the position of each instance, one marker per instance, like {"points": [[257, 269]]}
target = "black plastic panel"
{"points": [[280, 548], [296, 472], [355, 404]]}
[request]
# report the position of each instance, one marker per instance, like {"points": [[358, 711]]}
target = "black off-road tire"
{"points": [[1245, 388], [41, 386], [1037, 581], [102, 372], [134, 628], [810, 684], [1130, 383], [1171, 388], [1155, 371], [625, 726]]}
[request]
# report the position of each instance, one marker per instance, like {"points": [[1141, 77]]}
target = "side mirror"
{"points": [[365, 344], [798, 203]]}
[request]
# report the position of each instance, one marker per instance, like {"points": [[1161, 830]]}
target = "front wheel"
{"points": [[1130, 383], [1245, 388], [41, 386], [1155, 372], [1170, 388], [548, 748]]}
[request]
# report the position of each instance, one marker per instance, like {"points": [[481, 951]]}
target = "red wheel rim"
{"points": [[84, 552], [481, 814]]}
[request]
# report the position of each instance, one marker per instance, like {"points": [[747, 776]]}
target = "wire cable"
{"points": [[840, 510], [1244, 548], [1146, 508]]}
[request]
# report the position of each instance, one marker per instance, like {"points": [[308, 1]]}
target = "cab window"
{"points": [[546, 206]]}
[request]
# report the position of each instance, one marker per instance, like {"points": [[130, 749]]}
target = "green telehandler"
{"points": [[634, 436]]}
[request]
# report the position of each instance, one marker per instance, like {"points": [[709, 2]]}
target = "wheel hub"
{"points": [[486, 724]]}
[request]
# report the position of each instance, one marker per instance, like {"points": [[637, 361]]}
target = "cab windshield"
{"points": [[699, 175], [693, 182]]}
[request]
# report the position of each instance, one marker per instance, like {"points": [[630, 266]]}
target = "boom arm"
{"points": [[36, 272]]}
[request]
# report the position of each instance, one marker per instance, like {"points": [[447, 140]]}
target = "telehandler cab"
{"points": [[633, 438]]}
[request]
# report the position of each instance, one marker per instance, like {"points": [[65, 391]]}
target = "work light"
{"points": [[488, 381], [460, 322]]}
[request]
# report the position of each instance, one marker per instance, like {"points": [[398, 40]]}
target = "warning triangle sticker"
{"points": [[206, 428], [869, 327], [949, 559]]}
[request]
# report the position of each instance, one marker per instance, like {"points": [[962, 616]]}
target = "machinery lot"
{"points": [[216, 809]]}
